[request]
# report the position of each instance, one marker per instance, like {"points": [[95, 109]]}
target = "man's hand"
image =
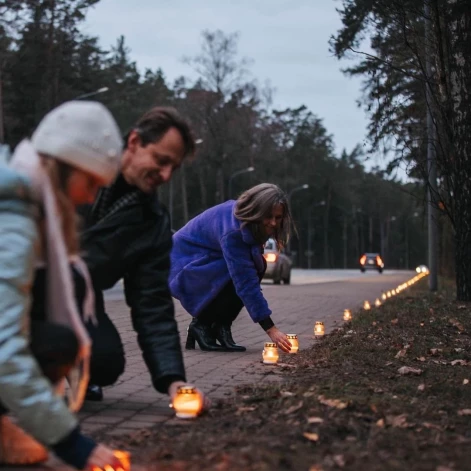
{"points": [[279, 338], [173, 388]]}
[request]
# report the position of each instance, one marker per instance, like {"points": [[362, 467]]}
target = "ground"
{"points": [[345, 403], [341, 403]]}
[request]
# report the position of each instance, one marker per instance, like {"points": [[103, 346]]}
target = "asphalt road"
{"points": [[309, 277]]}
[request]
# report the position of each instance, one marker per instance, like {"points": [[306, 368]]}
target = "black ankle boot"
{"points": [[201, 333], [94, 393], [224, 337]]}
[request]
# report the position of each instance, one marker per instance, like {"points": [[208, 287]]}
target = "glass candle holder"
{"points": [[319, 329], [270, 353], [293, 338], [347, 315], [188, 403]]}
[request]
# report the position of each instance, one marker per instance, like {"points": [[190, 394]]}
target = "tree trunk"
{"points": [[326, 227], [2, 127], [202, 183], [460, 72], [344, 237], [370, 234], [184, 195]]}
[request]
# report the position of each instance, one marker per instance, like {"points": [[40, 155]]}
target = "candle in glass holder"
{"points": [[394, 292], [377, 302], [319, 329], [188, 403], [366, 305], [270, 353], [293, 338], [388, 294], [384, 297], [347, 315], [125, 459]]}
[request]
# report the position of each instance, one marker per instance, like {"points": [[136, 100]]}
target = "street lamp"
{"points": [[290, 194], [239, 172], [96, 92]]}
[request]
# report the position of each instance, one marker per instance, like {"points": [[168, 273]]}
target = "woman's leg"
{"points": [[222, 311]]}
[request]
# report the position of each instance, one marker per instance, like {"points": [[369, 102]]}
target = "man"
{"points": [[127, 236]]}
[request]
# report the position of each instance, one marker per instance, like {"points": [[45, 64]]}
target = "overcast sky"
{"points": [[287, 40]]}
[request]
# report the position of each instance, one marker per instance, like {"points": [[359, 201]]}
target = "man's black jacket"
{"points": [[134, 244]]}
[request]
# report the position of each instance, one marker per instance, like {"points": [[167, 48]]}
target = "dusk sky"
{"points": [[287, 41]]}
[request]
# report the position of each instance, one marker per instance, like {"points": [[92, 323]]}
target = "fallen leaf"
{"points": [[464, 412], [337, 403], [407, 370], [462, 307], [316, 467], [435, 351], [458, 350], [389, 363], [457, 324], [465, 381], [308, 394], [443, 468], [399, 421], [401, 353], [394, 321], [421, 387], [286, 365], [378, 390], [294, 408], [431, 426], [380, 423], [286, 394], [313, 437], [314, 420], [420, 358], [459, 362], [246, 409], [339, 460]]}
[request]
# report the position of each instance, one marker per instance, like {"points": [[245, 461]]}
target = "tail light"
{"points": [[270, 257], [380, 262], [363, 259]]}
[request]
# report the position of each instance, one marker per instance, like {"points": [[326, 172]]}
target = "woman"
{"points": [[217, 266], [75, 150]]}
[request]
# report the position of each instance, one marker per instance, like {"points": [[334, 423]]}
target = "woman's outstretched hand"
{"points": [[279, 338]]}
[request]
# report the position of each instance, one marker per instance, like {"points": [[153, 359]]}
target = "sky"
{"points": [[287, 41]]}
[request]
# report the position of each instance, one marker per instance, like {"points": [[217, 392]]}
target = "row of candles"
{"points": [[188, 402]]}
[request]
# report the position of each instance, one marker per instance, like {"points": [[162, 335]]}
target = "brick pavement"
{"points": [[133, 404]]}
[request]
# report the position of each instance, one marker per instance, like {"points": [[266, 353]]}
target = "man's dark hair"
{"points": [[152, 126]]}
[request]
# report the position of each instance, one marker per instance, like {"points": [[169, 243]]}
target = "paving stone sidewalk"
{"points": [[133, 404]]}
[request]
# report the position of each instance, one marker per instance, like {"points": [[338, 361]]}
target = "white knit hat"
{"points": [[82, 134]]}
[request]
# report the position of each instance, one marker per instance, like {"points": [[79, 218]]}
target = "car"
{"points": [[371, 261], [278, 264], [422, 269]]}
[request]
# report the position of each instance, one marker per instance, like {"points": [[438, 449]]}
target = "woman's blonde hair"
{"points": [[256, 204], [59, 173]]}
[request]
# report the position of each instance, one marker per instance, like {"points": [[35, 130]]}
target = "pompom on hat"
{"points": [[82, 134]]}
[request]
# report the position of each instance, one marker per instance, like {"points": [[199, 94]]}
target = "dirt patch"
{"points": [[390, 390]]}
